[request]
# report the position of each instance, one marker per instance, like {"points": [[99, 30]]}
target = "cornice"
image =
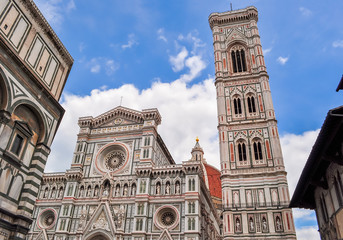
{"points": [[231, 17], [45, 26]]}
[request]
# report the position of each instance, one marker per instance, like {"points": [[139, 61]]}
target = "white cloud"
{"points": [[304, 214], [161, 36], [95, 65], [131, 42], [54, 10], [308, 233], [305, 11], [82, 46], [182, 109], [282, 60], [296, 149], [71, 5], [196, 42], [109, 65], [266, 51], [338, 43], [178, 61], [195, 65]]}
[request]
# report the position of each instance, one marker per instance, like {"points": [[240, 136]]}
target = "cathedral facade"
{"points": [[255, 193], [124, 184], [34, 66]]}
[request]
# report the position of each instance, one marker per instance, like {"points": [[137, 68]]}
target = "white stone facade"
{"points": [[254, 184], [123, 184]]}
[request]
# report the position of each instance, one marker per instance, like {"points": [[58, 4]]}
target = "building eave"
{"points": [[316, 165]]}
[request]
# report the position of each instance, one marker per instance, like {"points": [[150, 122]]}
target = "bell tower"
{"points": [[254, 185]]}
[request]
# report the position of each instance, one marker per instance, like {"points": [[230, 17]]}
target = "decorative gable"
{"points": [[165, 235], [121, 116], [101, 221], [235, 35]]}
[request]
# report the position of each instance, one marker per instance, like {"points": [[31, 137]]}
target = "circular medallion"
{"points": [[112, 157], [47, 219], [114, 160], [166, 217]]}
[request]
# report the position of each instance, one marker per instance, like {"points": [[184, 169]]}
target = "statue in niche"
{"points": [[106, 191], [238, 225], [81, 192], [251, 225], [264, 224], [117, 191], [125, 190], [89, 191], [158, 188], [60, 193], [133, 190], [177, 188], [278, 224], [96, 192], [168, 188], [53, 193], [45, 195]]}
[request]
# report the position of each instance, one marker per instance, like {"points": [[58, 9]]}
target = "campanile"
{"points": [[254, 184]]}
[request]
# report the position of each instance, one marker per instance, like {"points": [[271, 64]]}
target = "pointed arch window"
{"points": [[238, 60], [258, 150], [237, 105], [191, 207], [251, 104], [242, 151], [191, 184]]}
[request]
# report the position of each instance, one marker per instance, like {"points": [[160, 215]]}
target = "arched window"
{"points": [[257, 150], [242, 151], [251, 104], [238, 60], [237, 105], [191, 207], [191, 184]]}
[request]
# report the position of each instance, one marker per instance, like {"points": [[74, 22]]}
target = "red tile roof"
{"points": [[214, 181]]}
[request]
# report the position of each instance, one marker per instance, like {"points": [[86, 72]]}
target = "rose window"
{"points": [[114, 159], [47, 219], [168, 218]]}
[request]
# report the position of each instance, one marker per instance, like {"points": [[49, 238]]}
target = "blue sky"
{"points": [[159, 54]]}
